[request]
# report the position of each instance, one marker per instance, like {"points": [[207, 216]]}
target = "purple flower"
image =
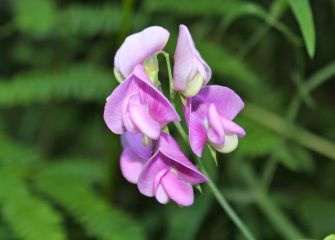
{"points": [[209, 116], [139, 47], [190, 71], [134, 155], [137, 106], [168, 174]]}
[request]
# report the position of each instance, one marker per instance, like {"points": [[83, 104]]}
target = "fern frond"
{"points": [[80, 169], [229, 10], [89, 20], [16, 156], [98, 217], [29, 217], [34, 17], [187, 7], [82, 82]]}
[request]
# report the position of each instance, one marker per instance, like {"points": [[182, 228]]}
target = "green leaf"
{"points": [[303, 14], [259, 141], [317, 212], [184, 223], [225, 64], [16, 156], [89, 20], [80, 169], [82, 82], [238, 9], [99, 218], [29, 217], [294, 157], [321, 76], [35, 17]]}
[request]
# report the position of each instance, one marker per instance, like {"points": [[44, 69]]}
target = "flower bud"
{"points": [[193, 86], [151, 68], [118, 76], [230, 143], [190, 72]]}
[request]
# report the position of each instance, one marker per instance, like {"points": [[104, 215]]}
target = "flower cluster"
{"points": [[138, 110]]}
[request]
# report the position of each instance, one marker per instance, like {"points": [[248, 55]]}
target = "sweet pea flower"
{"points": [[134, 155], [169, 175], [209, 116], [137, 106], [190, 71], [139, 48]]}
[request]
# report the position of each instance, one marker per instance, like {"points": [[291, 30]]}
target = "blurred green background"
{"points": [[59, 171]]}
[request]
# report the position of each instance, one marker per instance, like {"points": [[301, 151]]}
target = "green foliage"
{"points": [[231, 10], [29, 217], [69, 183], [35, 17], [89, 20], [95, 214], [15, 155], [228, 65], [84, 82], [194, 216], [303, 13], [42, 18], [319, 213], [56, 70], [260, 141]]}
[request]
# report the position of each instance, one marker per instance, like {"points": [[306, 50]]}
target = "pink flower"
{"points": [[166, 173], [190, 71], [209, 116], [134, 155], [137, 106], [138, 47], [169, 175]]}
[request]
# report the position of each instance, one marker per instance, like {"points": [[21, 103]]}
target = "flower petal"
{"points": [[160, 194], [185, 63], [197, 135], [135, 143], [169, 148], [159, 106], [142, 119], [146, 179], [126, 120], [137, 84], [226, 101], [188, 61], [215, 131], [139, 46], [178, 190], [197, 130], [113, 107], [131, 165], [232, 127]]}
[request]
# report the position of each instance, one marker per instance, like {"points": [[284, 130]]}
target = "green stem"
{"points": [[225, 205], [169, 69], [268, 207], [216, 192], [272, 162], [301, 136], [218, 195]]}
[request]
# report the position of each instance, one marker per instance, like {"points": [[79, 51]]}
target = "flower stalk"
{"points": [[212, 186]]}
